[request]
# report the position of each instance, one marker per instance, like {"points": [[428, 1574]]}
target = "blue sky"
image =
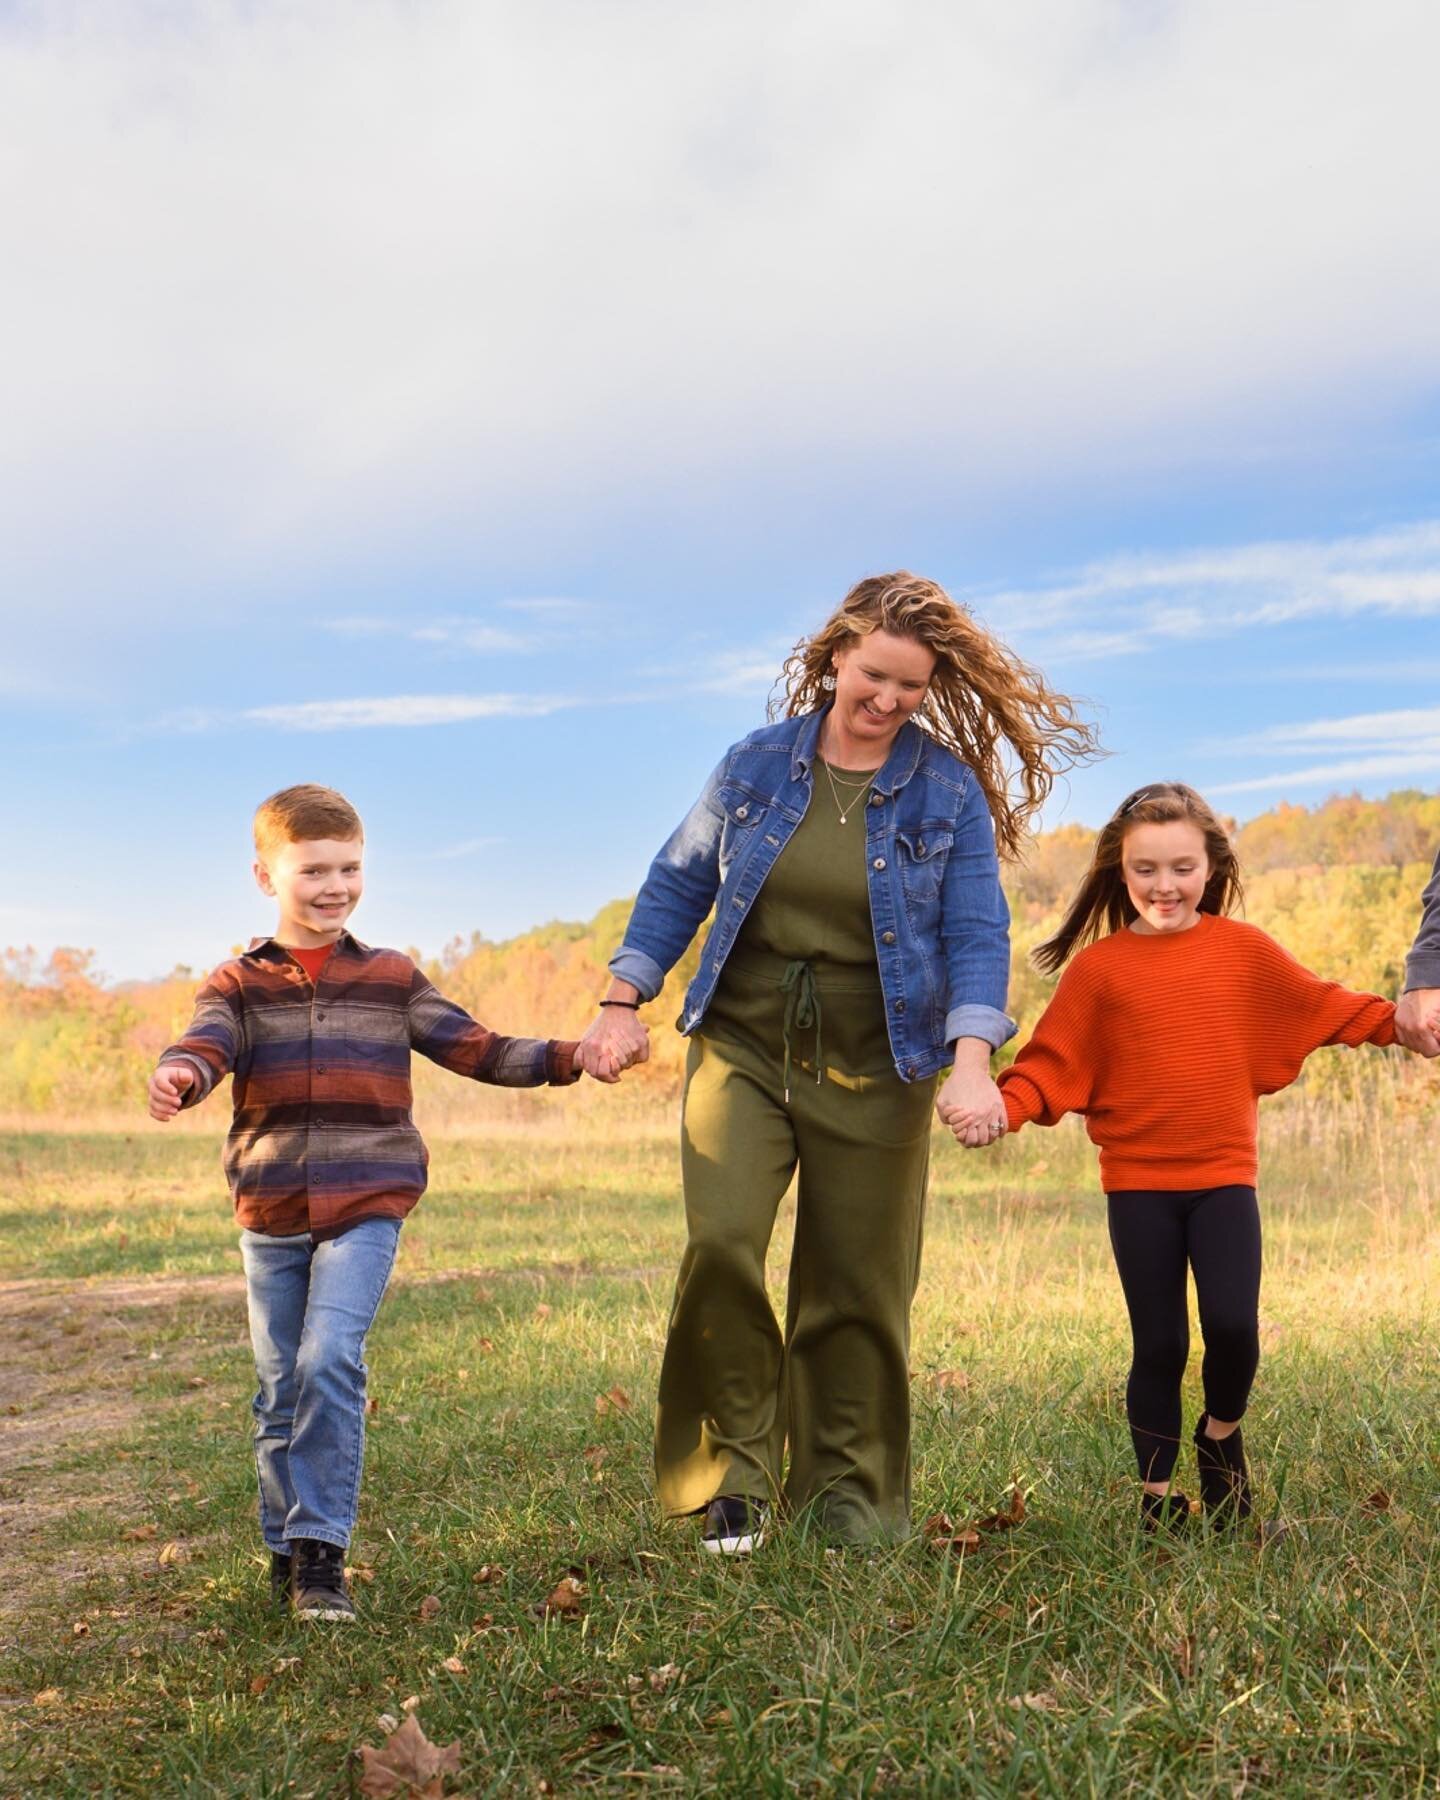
{"points": [[469, 404]]}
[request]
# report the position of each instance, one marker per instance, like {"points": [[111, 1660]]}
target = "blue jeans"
{"points": [[310, 1308]]}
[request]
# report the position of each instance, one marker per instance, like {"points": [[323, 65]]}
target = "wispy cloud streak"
{"points": [[1143, 602], [1363, 746], [404, 710]]}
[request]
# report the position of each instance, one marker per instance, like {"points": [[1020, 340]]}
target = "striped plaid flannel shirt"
{"points": [[322, 1135]]}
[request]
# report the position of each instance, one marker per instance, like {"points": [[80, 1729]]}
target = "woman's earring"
{"points": [[827, 681]]}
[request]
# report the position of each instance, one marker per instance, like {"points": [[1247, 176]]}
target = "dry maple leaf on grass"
{"points": [[941, 1536], [567, 1598], [407, 1764], [615, 1399], [1013, 1515]]}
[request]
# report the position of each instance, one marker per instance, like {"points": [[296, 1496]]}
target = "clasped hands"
{"points": [[1417, 1021], [970, 1105], [616, 1041]]}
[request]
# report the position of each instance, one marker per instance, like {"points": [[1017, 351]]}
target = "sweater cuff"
{"points": [[560, 1069], [1022, 1102], [1422, 970]]}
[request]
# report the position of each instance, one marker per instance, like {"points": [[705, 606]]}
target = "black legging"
{"points": [[1154, 1234]]}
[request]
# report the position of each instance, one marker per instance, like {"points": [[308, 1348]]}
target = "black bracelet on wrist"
{"points": [[629, 1005]]}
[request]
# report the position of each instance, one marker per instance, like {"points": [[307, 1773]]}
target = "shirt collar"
{"points": [[894, 772], [272, 943]]}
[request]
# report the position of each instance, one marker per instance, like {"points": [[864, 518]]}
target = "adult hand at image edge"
{"points": [[1417, 1021]]}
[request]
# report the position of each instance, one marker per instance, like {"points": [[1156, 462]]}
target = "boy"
{"points": [[324, 1162]]}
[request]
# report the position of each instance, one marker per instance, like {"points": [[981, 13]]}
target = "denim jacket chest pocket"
{"points": [[922, 854], [742, 810]]}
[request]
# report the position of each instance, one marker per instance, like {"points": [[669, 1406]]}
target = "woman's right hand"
{"points": [[616, 1041]]}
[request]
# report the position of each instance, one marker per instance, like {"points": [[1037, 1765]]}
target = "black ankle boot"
{"points": [[320, 1591], [282, 1577], [1224, 1478], [1164, 1512]]}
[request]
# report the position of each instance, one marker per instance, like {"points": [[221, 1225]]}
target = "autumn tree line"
{"points": [[1338, 884]]}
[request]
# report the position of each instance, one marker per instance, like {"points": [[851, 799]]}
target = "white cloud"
{"points": [[404, 709], [318, 279], [1153, 600], [1404, 743]]}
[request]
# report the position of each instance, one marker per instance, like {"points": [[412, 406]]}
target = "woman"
{"points": [[860, 946]]}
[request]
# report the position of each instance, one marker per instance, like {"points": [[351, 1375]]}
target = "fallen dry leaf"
{"points": [[198, 1381], [567, 1598], [1013, 1515], [1379, 1501], [139, 1534], [372, 1406], [429, 1608], [664, 1677], [487, 1346], [454, 1665], [49, 1697], [1045, 1702], [170, 1553], [259, 1684], [81, 1628], [387, 1722], [409, 1703], [950, 1381], [408, 1764], [595, 1454], [614, 1400], [487, 1572], [941, 1536], [360, 1572]]}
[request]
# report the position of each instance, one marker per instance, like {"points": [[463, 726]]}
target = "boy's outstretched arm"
{"points": [[190, 1067], [448, 1035]]}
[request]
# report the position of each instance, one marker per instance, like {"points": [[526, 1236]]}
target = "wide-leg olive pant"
{"points": [[836, 1384]]}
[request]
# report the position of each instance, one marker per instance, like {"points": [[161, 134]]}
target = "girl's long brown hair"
{"points": [[994, 711], [1102, 905]]}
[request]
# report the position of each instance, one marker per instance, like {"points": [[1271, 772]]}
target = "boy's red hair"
{"points": [[305, 811]]}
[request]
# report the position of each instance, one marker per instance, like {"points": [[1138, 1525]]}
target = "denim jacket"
{"points": [[942, 927]]}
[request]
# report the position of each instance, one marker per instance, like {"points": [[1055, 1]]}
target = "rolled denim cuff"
{"points": [[642, 972], [986, 1022]]}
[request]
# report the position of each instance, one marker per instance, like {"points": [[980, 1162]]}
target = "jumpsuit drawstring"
{"points": [[802, 1011]]}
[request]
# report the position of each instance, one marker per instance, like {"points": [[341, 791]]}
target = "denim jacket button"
{"points": [[887, 937], [879, 863], [877, 799], [742, 812], [899, 1006]]}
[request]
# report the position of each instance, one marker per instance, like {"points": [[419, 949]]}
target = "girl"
{"points": [[1165, 1029]]}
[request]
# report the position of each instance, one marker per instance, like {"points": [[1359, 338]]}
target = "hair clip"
{"points": [[1135, 799]]}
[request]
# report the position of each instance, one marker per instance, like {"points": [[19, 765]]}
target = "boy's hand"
{"points": [[1417, 1021], [168, 1085]]}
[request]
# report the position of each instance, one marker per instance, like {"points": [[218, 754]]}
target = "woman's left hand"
{"points": [[970, 1105]]}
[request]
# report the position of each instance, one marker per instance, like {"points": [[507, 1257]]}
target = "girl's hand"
{"points": [[971, 1106], [168, 1085], [616, 1041]]}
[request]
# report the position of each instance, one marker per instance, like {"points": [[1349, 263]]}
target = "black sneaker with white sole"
{"points": [[320, 1591], [734, 1525]]}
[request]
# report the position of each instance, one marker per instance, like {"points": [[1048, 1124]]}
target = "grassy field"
{"points": [[1065, 1657]]}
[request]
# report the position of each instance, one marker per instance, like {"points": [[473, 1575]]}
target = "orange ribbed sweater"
{"points": [[1165, 1043]]}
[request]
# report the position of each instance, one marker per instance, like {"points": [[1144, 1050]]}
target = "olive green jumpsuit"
{"points": [[792, 1065]]}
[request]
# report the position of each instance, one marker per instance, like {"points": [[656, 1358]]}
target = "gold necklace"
{"points": [[855, 795]]}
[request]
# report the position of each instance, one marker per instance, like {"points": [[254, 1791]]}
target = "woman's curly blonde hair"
{"points": [[994, 711]]}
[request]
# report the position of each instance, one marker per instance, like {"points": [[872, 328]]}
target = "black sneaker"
{"points": [[320, 1582], [1224, 1478], [734, 1526], [282, 1577], [1164, 1512]]}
